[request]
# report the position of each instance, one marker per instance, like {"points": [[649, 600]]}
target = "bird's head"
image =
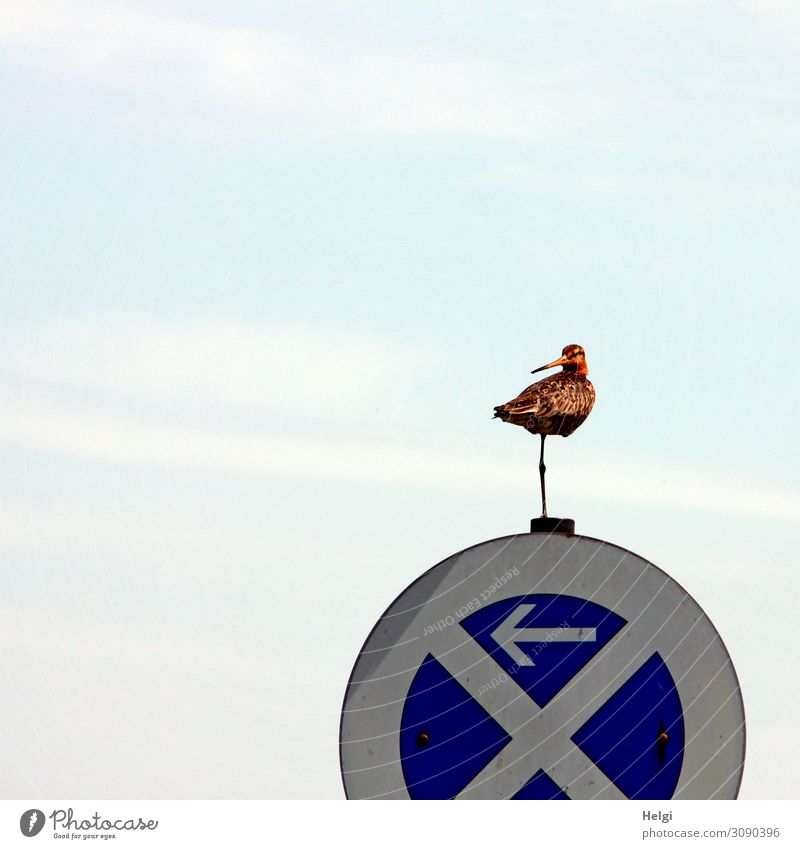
{"points": [[573, 358]]}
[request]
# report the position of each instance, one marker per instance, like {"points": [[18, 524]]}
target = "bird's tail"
{"points": [[500, 412]]}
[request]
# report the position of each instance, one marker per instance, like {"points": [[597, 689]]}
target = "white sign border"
{"points": [[546, 563]]}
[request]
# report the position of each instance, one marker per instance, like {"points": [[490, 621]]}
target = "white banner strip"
{"points": [[593, 824]]}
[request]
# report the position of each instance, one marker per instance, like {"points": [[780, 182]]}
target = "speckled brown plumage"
{"points": [[555, 406]]}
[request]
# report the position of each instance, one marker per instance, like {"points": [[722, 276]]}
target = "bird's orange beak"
{"points": [[559, 362]]}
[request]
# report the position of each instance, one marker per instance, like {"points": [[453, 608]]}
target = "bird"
{"points": [[555, 406]]}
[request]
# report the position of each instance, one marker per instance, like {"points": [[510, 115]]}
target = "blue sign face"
{"points": [[636, 737], [542, 640]]}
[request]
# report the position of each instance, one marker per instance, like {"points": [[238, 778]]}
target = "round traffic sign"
{"points": [[543, 667]]}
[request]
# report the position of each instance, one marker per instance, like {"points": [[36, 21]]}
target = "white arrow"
{"points": [[508, 633]]}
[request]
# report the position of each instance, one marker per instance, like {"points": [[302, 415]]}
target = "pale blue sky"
{"points": [[265, 270]]}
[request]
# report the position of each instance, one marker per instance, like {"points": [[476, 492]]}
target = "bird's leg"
{"points": [[542, 469]]}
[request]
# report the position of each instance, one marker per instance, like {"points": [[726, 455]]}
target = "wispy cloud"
{"points": [[148, 70], [305, 369], [213, 363], [695, 194], [289, 82], [81, 434]]}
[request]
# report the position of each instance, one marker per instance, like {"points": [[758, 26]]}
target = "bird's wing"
{"points": [[543, 398]]}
